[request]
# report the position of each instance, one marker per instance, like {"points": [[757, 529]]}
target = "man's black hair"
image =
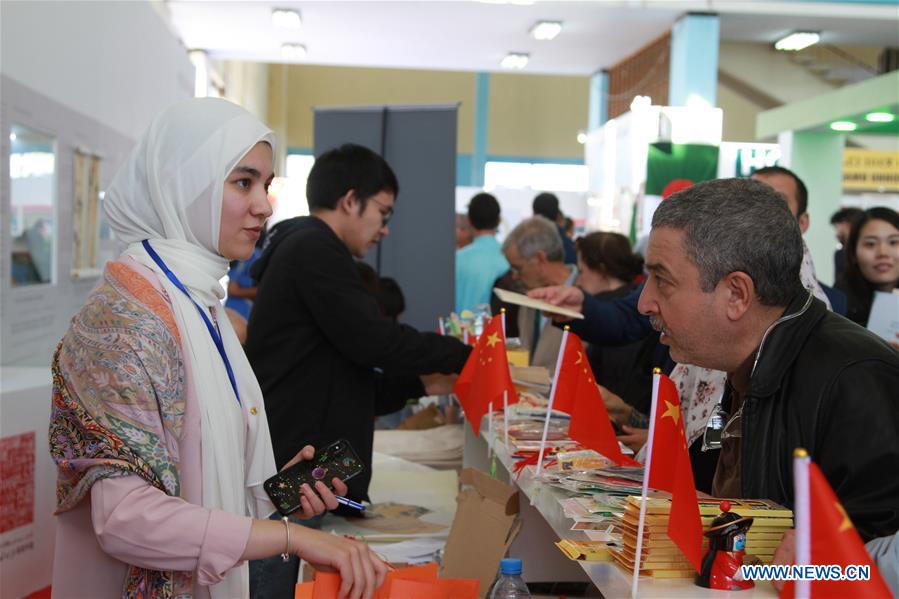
{"points": [[483, 212], [546, 205], [347, 167], [801, 189]]}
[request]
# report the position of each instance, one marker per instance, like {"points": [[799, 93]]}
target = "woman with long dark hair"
{"points": [[872, 261]]}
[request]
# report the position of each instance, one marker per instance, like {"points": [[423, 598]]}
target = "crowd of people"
{"points": [[729, 305], [166, 421]]}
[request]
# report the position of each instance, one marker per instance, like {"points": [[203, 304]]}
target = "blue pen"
{"points": [[349, 502]]}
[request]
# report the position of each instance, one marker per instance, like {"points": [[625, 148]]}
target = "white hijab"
{"points": [[169, 192]]}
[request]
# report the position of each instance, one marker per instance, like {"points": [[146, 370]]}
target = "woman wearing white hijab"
{"points": [[158, 425]]}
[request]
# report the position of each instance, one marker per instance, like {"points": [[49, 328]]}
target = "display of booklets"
{"points": [[661, 558], [594, 482], [581, 461], [587, 551], [582, 509], [634, 473]]}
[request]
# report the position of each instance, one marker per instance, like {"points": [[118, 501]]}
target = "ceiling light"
{"points": [[843, 126], [515, 60], [880, 117], [293, 51], [12, 137], [581, 137], [546, 30], [284, 18], [797, 41]]}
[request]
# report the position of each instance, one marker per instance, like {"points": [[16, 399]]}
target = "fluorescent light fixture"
{"points": [[285, 18], [515, 60], [581, 137], [797, 41], [293, 51], [843, 126], [546, 30], [880, 117]]}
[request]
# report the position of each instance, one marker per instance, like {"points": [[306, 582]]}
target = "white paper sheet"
{"points": [[510, 297], [884, 318]]}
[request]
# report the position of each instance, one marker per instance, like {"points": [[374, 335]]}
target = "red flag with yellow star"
{"points": [[831, 540], [576, 393], [669, 469], [486, 375]]}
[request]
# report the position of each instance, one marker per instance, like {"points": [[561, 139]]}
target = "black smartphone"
{"points": [[337, 459]]}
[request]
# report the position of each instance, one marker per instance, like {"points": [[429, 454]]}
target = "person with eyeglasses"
{"points": [[327, 359]]}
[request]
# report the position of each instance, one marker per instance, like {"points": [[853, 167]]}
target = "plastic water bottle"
{"points": [[509, 585]]}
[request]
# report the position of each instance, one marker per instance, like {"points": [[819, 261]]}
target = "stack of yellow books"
{"points": [[661, 558], [586, 551]]}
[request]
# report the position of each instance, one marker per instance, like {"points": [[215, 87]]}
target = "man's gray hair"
{"points": [[533, 235], [740, 225]]}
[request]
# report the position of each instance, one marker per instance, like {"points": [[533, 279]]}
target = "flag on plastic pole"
{"points": [[825, 536], [485, 376], [577, 394], [668, 468], [549, 405]]}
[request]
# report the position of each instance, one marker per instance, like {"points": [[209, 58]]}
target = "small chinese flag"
{"points": [[669, 469], [829, 539], [486, 375], [576, 393]]}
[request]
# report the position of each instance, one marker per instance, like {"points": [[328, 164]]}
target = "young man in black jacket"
{"points": [[326, 358]]}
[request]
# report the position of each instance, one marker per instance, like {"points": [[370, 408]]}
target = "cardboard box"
{"points": [[485, 525]]}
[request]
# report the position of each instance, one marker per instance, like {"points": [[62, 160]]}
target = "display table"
{"points": [[396, 480], [544, 523]]}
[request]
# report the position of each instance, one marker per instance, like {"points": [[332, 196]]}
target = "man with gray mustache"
{"points": [[724, 291]]}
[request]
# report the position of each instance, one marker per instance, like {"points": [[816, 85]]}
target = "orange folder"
{"points": [[414, 582]]}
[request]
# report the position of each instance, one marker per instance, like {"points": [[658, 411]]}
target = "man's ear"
{"points": [[740, 290], [539, 258], [348, 203], [803, 222]]}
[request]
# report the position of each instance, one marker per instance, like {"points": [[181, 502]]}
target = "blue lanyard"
{"points": [[216, 338]]}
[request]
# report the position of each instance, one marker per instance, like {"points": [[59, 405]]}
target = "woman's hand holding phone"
{"points": [[319, 500]]}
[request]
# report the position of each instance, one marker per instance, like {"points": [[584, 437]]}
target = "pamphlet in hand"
{"points": [[510, 297], [884, 319]]}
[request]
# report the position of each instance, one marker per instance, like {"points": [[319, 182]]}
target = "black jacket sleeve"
{"points": [[864, 469], [329, 285], [394, 392], [612, 323]]}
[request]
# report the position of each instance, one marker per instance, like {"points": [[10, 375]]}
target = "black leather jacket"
{"points": [[826, 384]]}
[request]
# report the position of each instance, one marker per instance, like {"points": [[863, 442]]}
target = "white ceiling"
{"points": [[474, 36]]}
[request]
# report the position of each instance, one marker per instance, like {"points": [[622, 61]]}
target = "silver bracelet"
{"points": [[286, 555]]}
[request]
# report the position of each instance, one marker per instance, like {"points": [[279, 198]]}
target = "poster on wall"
{"points": [[17, 481], [85, 215], [16, 497], [670, 167]]}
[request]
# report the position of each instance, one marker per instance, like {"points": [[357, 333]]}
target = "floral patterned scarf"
{"points": [[118, 404]]}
